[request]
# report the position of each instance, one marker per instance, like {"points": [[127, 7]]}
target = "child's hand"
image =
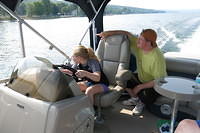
{"points": [[66, 71], [81, 73]]}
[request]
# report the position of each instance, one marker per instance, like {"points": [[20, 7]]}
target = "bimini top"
{"points": [[11, 4]]}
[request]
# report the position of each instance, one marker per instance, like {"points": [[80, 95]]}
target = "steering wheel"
{"points": [[69, 68]]}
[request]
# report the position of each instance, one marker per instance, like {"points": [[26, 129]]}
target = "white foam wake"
{"points": [[191, 46]]}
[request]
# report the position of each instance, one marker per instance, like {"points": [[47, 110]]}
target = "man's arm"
{"points": [[142, 86], [106, 34], [132, 38]]}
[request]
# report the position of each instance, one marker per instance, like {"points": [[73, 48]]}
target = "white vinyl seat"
{"points": [[114, 56]]}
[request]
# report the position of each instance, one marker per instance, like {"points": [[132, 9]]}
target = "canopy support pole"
{"points": [[22, 39], [92, 22]]}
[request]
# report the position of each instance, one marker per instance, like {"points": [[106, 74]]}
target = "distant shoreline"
{"points": [[3, 18], [35, 17]]}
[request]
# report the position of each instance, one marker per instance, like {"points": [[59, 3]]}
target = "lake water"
{"points": [[177, 32]]}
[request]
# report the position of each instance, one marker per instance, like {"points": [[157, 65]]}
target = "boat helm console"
{"points": [[44, 100], [35, 77]]}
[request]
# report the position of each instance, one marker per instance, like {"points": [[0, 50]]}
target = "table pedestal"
{"points": [[173, 117]]}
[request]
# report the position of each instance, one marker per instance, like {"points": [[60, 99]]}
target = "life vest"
{"points": [[103, 78]]}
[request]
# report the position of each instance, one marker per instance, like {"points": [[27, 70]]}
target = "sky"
{"points": [[160, 4]]}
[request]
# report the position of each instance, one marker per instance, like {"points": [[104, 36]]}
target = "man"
{"points": [[150, 66]]}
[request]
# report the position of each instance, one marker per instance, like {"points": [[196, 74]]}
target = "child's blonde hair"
{"points": [[86, 53]]}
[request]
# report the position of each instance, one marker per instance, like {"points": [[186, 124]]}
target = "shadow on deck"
{"points": [[118, 119]]}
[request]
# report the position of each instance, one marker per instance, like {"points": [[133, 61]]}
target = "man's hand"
{"points": [[103, 35], [106, 34], [137, 89]]}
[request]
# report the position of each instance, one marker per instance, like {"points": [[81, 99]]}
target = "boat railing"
{"points": [[22, 21], [92, 23]]}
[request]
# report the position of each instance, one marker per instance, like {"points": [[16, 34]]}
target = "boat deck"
{"points": [[118, 119]]}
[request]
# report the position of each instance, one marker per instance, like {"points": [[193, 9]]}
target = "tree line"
{"points": [[46, 8]]}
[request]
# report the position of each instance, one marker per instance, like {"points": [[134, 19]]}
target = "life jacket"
{"points": [[103, 78]]}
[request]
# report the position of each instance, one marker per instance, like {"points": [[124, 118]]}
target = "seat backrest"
{"points": [[114, 55]]}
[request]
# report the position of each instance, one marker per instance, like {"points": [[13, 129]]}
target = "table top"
{"points": [[178, 88]]}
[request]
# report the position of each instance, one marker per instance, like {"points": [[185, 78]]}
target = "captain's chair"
{"points": [[114, 56]]}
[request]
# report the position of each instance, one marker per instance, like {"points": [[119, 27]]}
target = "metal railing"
{"points": [[92, 23], [21, 21]]}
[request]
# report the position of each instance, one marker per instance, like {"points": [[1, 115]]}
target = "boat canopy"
{"points": [[11, 4], [89, 7]]}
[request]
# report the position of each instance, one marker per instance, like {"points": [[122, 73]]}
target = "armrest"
{"points": [[122, 77]]}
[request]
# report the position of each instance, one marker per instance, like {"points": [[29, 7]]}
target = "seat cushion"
{"points": [[114, 55], [180, 64]]}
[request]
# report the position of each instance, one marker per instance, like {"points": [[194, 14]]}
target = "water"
{"points": [[177, 32]]}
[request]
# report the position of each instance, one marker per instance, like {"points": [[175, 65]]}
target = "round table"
{"points": [[179, 89]]}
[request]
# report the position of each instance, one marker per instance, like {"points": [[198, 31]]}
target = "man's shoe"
{"points": [[131, 101], [138, 108]]}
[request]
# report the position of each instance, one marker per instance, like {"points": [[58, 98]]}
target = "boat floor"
{"points": [[118, 119]]}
